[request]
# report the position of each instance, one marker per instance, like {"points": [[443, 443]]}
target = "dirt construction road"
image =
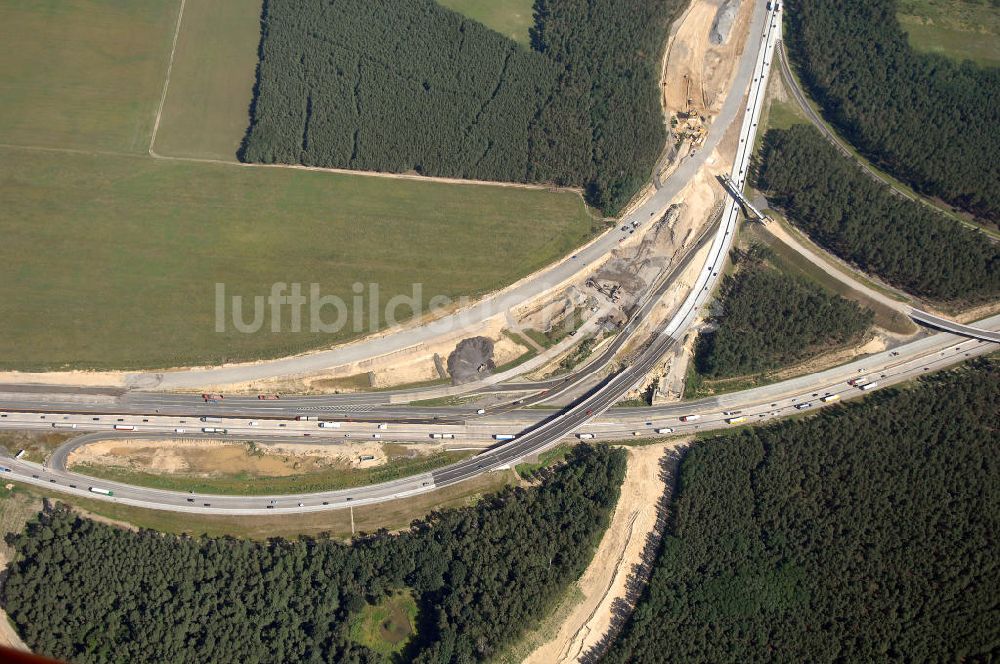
{"points": [[605, 582]]}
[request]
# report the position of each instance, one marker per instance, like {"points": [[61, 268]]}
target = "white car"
{"points": [[481, 411]]}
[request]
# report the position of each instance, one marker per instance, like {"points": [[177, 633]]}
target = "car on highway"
{"points": [[481, 411]]}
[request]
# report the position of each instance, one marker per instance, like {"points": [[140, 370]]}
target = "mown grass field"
{"points": [[958, 29], [110, 257], [82, 73], [512, 18], [111, 262], [207, 108]]}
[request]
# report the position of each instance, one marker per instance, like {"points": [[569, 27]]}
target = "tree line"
{"points": [[863, 534], [765, 319], [927, 120], [905, 243], [410, 85], [84, 591]]}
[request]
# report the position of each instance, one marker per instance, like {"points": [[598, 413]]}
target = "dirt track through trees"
{"points": [[609, 584]]}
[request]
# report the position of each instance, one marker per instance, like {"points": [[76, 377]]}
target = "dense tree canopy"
{"points": [[849, 214], [864, 534], [766, 319], [930, 121], [88, 592], [410, 85]]}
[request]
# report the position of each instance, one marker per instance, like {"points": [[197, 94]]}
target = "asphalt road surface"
{"points": [[905, 363], [505, 300]]}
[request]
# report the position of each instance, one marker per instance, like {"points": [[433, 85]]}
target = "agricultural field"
{"points": [[511, 18], [126, 248], [83, 73], [207, 107], [133, 248], [958, 29]]}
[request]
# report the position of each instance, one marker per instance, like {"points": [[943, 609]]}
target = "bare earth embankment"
{"points": [[605, 583]]}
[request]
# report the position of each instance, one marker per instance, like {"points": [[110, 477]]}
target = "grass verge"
{"points": [[792, 262], [37, 445], [547, 458]]}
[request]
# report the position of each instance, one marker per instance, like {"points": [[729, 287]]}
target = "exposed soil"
{"points": [[698, 69], [208, 458], [608, 585], [471, 360]]}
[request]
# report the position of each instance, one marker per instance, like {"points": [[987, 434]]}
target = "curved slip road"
{"points": [[527, 289], [914, 359]]}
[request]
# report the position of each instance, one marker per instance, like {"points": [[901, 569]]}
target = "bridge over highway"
{"points": [[946, 325]]}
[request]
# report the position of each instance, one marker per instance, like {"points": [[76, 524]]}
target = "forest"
{"points": [[412, 86], [903, 242], [84, 591], [765, 319], [866, 533], [927, 120]]}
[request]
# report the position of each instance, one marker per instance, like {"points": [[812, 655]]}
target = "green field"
{"points": [[123, 253], [958, 29], [109, 257], [207, 107], [512, 18], [83, 73]]}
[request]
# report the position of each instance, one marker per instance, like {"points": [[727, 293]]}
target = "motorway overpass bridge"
{"points": [[946, 325]]}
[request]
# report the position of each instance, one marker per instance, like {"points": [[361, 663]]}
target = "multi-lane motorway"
{"points": [[506, 300], [358, 416], [797, 396]]}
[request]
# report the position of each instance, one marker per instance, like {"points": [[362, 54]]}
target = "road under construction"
{"points": [[533, 431]]}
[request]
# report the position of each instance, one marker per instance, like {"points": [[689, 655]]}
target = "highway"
{"points": [[796, 396], [939, 323], [550, 431], [494, 305], [358, 416]]}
